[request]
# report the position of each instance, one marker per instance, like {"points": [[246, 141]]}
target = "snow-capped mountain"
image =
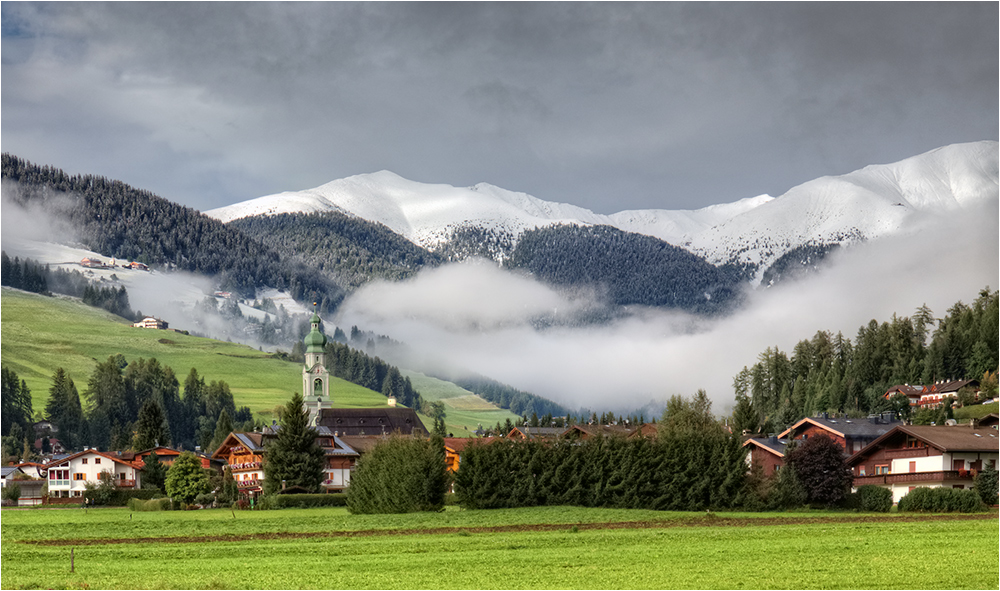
{"points": [[753, 232]]}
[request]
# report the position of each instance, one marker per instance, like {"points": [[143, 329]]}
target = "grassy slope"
{"points": [[39, 334], [858, 554], [464, 410]]}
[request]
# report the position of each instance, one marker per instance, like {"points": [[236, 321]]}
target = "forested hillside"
{"points": [[830, 373], [353, 250], [631, 269], [115, 219]]}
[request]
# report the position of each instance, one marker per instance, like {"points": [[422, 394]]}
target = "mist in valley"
{"points": [[475, 316]]}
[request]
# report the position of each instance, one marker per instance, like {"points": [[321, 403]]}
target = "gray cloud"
{"points": [[608, 106]]}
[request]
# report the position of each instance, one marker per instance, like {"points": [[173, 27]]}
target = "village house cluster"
{"points": [[879, 449]]}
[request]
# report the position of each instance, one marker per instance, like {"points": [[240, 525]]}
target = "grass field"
{"points": [[464, 410], [41, 333], [539, 548]]}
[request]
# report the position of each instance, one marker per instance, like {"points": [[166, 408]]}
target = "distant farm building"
{"points": [[92, 263], [151, 322]]}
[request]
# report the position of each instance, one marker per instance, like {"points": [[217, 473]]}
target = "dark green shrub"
{"points": [[400, 475], [871, 498], [164, 504], [986, 484], [941, 500]]}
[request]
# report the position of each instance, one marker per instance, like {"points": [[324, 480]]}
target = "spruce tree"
{"points": [[151, 428], [294, 456]]}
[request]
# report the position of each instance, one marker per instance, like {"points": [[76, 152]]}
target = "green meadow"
{"points": [[537, 548], [42, 333], [464, 410]]}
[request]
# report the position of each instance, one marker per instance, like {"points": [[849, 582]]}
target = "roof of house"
{"points": [[943, 386], [458, 444], [775, 446], [853, 428], [103, 454], [362, 443], [6, 471], [989, 420], [371, 421], [941, 437], [542, 432], [594, 430], [340, 448], [252, 441]]}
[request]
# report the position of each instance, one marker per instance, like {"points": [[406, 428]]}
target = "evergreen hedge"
{"points": [[942, 500], [690, 473], [164, 504], [871, 498], [303, 501], [119, 497], [400, 475]]}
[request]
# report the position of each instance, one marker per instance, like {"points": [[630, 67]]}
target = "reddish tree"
{"points": [[822, 469]]}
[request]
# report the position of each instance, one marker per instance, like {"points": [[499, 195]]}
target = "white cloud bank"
{"points": [[478, 317]]}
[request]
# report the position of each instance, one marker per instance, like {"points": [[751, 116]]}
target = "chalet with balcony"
{"points": [[69, 476], [766, 452], [933, 456], [852, 434], [243, 454]]}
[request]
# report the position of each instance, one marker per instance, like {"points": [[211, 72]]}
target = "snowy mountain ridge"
{"points": [[752, 233]]}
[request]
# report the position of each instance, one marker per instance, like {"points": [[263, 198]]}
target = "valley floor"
{"points": [[538, 548]]}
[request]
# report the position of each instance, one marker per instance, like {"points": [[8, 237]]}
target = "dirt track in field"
{"points": [[703, 521]]}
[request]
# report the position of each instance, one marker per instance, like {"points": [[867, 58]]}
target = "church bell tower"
{"points": [[315, 377]]}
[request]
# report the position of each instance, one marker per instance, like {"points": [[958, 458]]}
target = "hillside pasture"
{"points": [[42, 333], [541, 548]]}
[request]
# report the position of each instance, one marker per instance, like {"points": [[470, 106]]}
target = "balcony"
{"points": [[123, 483], [907, 477]]}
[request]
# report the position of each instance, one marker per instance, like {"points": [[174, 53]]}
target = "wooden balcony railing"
{"points": [[906, 477]]}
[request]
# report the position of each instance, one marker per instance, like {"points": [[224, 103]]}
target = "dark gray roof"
{"points": [[777, 446], [850, 428], [371, 421]]}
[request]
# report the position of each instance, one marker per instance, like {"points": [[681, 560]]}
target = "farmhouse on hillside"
{"points": [[931, 396], [151, 322], [933, 456]]}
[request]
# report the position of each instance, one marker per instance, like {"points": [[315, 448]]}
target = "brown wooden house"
{"points": [[909, 456]]}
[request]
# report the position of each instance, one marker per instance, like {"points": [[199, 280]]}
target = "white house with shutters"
{"points": [[68, 477]]}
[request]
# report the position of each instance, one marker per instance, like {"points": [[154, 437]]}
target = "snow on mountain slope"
{"points": [[752, 232], [863, 205], [427, 214]]}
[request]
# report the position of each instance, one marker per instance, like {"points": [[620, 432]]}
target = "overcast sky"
{"points": [[607, 106]]}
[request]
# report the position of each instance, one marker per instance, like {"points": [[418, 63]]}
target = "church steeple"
{"points": [[315, 377]]}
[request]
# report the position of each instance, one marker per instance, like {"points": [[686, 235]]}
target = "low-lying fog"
{"points": [[478, 317]]}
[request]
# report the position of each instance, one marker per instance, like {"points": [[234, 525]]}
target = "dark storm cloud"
{"points": [[608, 106]]}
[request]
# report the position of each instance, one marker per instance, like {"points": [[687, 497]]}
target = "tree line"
{"points": [[832, 373], [130, 405], [352, 250], [30, 275], [630, 269], [118, 220]]}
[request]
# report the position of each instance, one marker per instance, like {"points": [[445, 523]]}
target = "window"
{"points": [[861, 470], [84, 460], [882, 469], [79, 476], [97, 460], [913, 467]]}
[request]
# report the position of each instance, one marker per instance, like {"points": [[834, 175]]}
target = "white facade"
{"points": [[935, 465], [69, 477]]}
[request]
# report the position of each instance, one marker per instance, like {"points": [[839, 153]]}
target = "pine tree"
{"points": [[151, 428], [294, 458]]}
